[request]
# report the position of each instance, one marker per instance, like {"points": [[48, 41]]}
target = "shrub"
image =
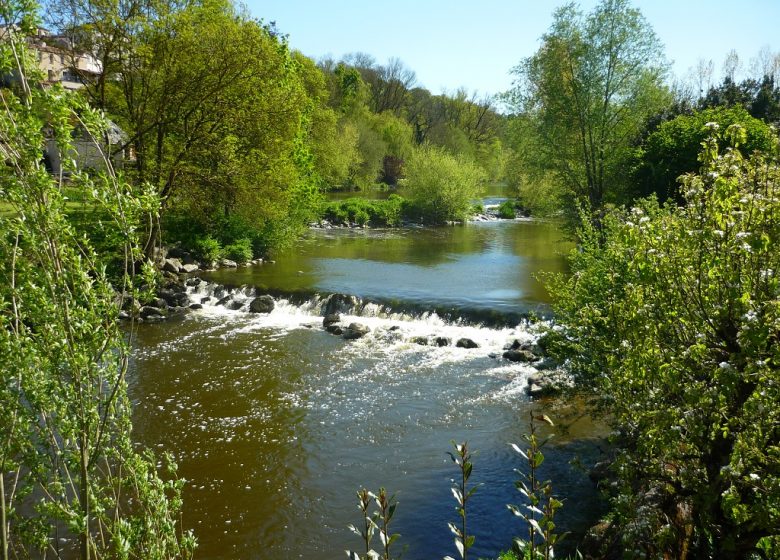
{"points": [[506, 210], [671, 316], [364, 211], [240, 250], [207, 249], [442, 186]]}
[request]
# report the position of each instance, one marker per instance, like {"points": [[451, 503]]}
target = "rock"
{"points": [[421, 340], [355, 331], [339, 303], [234, 305], [227, 263], [466, 343], [193, 281], [441, 341], [172, 265], [189, 268], [159, 302], [205, 299], [148, 311], [546, 364], [331, 319], [394, 328], [535, 390], [600, 471], [174, 298], [224, 300], [196, 306], [519, 356], [153, 319], [124, 315], [262, 304], [335, 329], [220, 292]]}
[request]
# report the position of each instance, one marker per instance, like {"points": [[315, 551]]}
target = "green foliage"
{"points": [[671, 316], [539, 513], [442, 187], [673, 148], [506, 210], [387, 212], [462, 493], [377, 521], [207, 249], [586, 94], [69, 471], [240, 250]]}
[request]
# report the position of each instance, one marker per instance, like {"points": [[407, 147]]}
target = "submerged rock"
{"points": [[331, 319], [421, 340], [339, 303], [262, 304], [519, 356], [355, 331]]}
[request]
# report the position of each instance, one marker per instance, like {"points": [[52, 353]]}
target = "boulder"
{"points": [[234, 305], [189, 268], [421, 340], [196, 306], [149, 311], [205, 299], [227, 263], [224, 300], [546, 364], [466, 343], [195, 281], [335, 329], [519, 356], [172, 265], [441, 341], [159, 303], [355, 330], [262, 304], [331, 319], [339, 303], [535, 390], [176, 253]]}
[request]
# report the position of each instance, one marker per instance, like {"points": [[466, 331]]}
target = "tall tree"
{"points": [[589, 89]]}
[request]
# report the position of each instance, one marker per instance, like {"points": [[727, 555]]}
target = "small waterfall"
{"points": [[382, 324]]}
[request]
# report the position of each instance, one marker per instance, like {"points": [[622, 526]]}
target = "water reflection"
{"points": [[489, 266]]}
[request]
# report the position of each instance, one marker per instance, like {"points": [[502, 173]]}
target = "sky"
{"points": [[474, 44]]}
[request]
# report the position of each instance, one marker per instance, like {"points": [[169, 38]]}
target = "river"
{"points": [[276, 423]]}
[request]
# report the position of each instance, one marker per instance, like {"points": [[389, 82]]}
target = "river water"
{"points": [[276, 423]]}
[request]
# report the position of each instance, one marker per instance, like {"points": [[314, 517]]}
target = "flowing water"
{"points": [[275, 423]]}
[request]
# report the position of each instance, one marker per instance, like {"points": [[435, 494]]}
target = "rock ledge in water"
{"points": [[262, 304]]}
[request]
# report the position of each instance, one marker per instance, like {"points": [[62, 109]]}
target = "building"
{"points": [[61, 63]]}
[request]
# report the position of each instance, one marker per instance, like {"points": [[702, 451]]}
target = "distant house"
{"points": [[91, 153], [63, 64]]}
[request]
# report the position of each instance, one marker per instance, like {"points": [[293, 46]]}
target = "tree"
{"points": [[442, 187], [671, 316], [673, 148], [589, 89], [71, 479]]}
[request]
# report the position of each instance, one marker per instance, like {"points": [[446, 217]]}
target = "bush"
{"points": [[207, 249], [364, 211], [671, 316], [506, 210], [441, 186], [240, 250]]}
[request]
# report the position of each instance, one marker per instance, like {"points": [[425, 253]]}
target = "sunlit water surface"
{"points": [[275, 423]]}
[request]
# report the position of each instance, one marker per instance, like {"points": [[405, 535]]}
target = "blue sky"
{"points": [[474, 44]]}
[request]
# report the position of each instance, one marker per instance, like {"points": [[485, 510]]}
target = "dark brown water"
{"points": [[276, 423]]}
